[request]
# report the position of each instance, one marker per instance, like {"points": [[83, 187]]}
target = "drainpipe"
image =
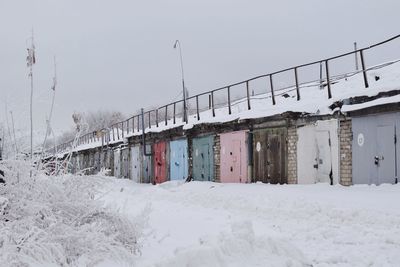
{"points": [[145, 153]]}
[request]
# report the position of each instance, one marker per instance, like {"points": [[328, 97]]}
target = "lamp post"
{"points": [[185, 119]]}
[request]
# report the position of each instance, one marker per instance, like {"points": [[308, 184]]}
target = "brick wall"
{"points": [[346, 138], [292, 155], [217, 158]]}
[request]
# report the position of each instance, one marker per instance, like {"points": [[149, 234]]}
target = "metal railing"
{"points": [[162, 115]]}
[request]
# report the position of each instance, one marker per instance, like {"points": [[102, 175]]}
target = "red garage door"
{"points": [[160, 162]]}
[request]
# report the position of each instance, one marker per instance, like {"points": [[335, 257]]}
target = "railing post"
{"points": [[328, 82], [166, 115], [229, 100], [122, 127], [297, 83], [364, 69], [174, 112], [248, 95], [272, 90], [157, 117], [197, 107], [138, 123], [149, 120], [127, 126], [212, 103]]}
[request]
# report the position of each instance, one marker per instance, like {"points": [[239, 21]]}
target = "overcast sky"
{"points": [[118, 55]]}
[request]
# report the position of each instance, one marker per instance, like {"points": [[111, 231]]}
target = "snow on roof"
{"points": [[313, 100]]}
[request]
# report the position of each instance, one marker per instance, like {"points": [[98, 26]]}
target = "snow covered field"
{"points": [[211, 224], [104, 221]]}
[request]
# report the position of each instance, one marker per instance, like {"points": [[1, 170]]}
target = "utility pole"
{"points": [[185, 117], [31, 60], [355, 55]]}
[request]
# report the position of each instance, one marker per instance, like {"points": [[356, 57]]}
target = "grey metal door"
{"points": [[136, 164], [384, 159], [374, 148]]}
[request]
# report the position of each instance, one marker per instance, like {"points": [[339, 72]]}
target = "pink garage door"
{"points": [[234, 157]]}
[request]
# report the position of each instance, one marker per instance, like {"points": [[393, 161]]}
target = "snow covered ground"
{"points": [[211, 224], [103, 221]]}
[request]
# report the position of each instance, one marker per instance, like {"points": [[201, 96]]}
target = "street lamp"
{"points": [[183, 82]]}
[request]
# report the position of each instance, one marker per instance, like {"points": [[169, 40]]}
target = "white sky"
{"points": [[118, 55]]}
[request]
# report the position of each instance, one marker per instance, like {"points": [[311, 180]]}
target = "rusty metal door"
{"points": [[147, 175], [160, 162], [233, 157], [269, 148], [203, 158]]}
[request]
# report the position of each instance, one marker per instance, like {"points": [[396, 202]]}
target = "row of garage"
{"points": [[256, 153], [243, 156]]}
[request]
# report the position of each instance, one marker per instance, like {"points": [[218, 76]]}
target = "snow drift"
{"points": [[60, 221]]}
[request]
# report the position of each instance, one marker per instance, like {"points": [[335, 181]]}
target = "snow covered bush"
{"points": [[60, 221]]}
